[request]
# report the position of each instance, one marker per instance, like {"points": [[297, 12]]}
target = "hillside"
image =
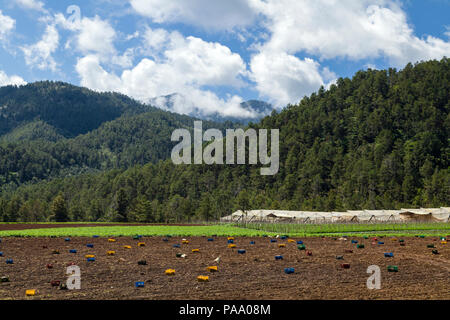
{"points": [[377, 141], [31, 131], [71, 110], [50, 135]]}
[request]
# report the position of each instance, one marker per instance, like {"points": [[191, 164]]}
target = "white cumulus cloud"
{"points": [[40, 54], [31, 4], [10, 80], [92, 35], [346, 28], [330, 29], [6, 25], [95, 36], [184, 67], [212, 14], [284, 78]]}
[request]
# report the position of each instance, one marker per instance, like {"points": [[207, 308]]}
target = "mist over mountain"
{"points": [[249, 111]]}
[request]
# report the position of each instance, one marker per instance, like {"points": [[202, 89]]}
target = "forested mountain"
{"points": [[31, 131], [377, 141], [44, 139], [71, 110]]}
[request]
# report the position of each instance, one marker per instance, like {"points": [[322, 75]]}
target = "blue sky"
{"points": [[215, 53]]}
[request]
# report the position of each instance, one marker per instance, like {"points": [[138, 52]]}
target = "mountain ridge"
{"points": [[37, 144], [71, 109], [376, 141]]}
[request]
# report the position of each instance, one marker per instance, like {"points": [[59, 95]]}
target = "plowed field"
{"points": [[253, 275]]}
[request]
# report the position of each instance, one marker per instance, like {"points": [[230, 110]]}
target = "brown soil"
{"points": [[254, 275]]}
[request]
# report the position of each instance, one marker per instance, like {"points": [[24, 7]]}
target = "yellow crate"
{"points": [[212, 269], [230, 238], [443, 242], [127, 247], [291, 241], [281, 245], [195, 250], [89, 256], [141, 244], [111, 240], [185, 242], [231, 246], [111, 253], [203, 278], [170, 272], [30, 292]]}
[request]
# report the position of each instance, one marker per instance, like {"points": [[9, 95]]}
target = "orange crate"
{"points": [[170, 272], [30, 292], [212, 269], [203, 278]]}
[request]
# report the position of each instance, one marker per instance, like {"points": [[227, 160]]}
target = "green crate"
{"points": [[392, 269]]}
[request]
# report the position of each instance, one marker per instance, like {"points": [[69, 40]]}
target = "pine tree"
{"points": [[122, 205], [143, 211], [59, 209]]}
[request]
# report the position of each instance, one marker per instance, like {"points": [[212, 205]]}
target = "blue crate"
{"points": [[95, 236], [273, 240], [299, 242], [241, 251], [1, 254], [176, 245], [380, 242], [278, 257], [389, 254], [289, 270], [355, 241], [90, 245], [210, 239], [252, 242], [139, 284], [67, 239], [72, 251], [9, 261], [90, 259], [230, 241]]}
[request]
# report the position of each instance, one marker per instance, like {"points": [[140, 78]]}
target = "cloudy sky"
{"points": [[215, 53]]}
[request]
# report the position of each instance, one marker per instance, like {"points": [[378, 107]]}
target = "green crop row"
{"points": [[410, 229], [250, 230], [219, 230]]}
